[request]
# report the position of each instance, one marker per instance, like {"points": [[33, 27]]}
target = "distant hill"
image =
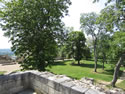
{"points": [[6, 52]]}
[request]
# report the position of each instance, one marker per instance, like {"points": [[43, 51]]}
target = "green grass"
{"points": [[121, 85], [15, 71], [84, 70], [2, 72]]}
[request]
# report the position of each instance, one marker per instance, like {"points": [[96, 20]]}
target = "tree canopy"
{"points": [[33, 27], [88, 24], [113, 17], [76, 45]]}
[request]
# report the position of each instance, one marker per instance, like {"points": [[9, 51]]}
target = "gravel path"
{"points": [[9, 67]]}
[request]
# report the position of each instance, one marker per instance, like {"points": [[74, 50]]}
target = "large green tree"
{"points": [[33, 27], [103, 44], [114, 21], [113, 17], [88, 24], [76, 45]]}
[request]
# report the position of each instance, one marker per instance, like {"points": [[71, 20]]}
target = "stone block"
{"points": [[57, 92], [51, 83], [65, 88], [92, 91], [37, 83], [9, 85], [57, 82], [16, 89], [42, 79], [51, 90], [4, 92], [43, 90], [44, 87], [4, 79], [78, 90], [60, 80]]}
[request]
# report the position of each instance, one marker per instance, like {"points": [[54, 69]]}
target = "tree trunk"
{"points": [[103, 65], [106, 62], [103, 61], [116, 70], [95, 70], [95, 55], [78, 62]]}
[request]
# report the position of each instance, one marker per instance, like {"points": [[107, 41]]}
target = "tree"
{"points": [[62, 50], [115, 11], [87, 53], [33, 27], [76, 45], [114, 21], [88, 24], [103, 47], [118, 47], [103, 40]]}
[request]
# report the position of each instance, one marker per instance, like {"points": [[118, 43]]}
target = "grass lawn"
{"points": [[2, 72], [121, 85], [84, 70]]}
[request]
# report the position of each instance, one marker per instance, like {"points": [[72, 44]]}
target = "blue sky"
{"points": [[77, 7]]}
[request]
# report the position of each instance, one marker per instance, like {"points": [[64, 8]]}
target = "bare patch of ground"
{"points": [[9, 67]]}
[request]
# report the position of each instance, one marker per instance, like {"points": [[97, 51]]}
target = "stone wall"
{"points": [[42, 83], [13, 83], [48, 83]]}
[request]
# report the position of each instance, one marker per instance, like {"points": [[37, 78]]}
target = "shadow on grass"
{"points": [[57, 63], [111, 72], [108, 72], [87, 65], [1, 74]]}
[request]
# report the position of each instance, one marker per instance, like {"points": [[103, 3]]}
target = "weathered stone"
{"points": [[92, 91], [48, 83], [87, 80], [51, 83], [78, 90], [51, 90], [57, 92], [65, 87], [114, 92], [63, 79], [16, 89]]}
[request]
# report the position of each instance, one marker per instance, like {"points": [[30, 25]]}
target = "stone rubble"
{"points": [[89, 83]]}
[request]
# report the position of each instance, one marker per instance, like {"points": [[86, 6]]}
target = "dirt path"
{"points": [[9, 67], [107, 83]]}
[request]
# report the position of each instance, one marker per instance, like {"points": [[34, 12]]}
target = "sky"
{"points": [[72, 20]]}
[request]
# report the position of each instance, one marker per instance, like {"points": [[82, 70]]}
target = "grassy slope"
{"points": [[121, 85], [84, 70], [2, 72]]}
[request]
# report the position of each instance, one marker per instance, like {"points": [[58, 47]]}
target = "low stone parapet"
{"points": [[42, 83]]}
